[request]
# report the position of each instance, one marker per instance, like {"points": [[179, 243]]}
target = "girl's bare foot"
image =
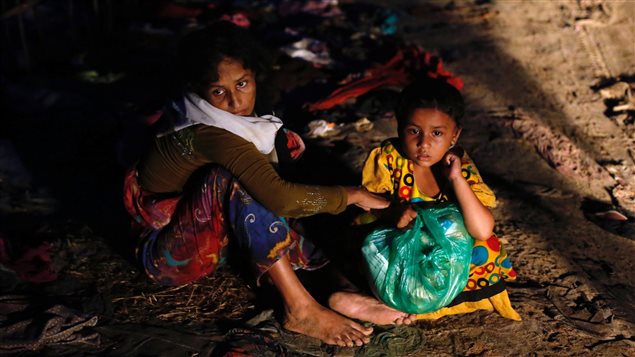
{"points": [[330, 327], [367, 308]]}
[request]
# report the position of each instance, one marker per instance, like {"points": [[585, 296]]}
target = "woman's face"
{"points": [[428, 135], [235, 90]]}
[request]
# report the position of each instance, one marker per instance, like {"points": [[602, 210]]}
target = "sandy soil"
{"points": [[545, 132]]}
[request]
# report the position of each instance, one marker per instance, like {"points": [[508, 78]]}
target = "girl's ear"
{"points": [[456, 136]]}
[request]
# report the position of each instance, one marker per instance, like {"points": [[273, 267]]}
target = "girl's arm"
{"points": [[479, 221], [398, 214]]}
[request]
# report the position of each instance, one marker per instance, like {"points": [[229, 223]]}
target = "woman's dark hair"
{"points": [[429, 93], [202, 50]]}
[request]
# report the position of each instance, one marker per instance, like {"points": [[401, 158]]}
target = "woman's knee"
{"points": [[171, 260]]}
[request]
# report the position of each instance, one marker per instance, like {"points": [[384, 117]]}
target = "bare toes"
{"points": [[365, 331], [360, 340]]}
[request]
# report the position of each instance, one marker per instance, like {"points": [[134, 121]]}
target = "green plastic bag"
{"points": [[423, 268]]}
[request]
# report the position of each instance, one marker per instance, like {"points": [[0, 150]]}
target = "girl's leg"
{"points": [[349, 301]]}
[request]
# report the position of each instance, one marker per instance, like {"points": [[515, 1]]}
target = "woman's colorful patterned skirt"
{"points": [[186, 236]]}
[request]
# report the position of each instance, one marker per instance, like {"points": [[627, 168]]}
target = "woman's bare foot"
{"points": [[367, 308], [324, 324], [304, 315]]}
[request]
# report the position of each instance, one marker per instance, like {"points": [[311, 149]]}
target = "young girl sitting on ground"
{"points": [[423, 164]]}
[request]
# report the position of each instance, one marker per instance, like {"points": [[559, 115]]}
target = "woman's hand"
{"points": [[360, 197]]}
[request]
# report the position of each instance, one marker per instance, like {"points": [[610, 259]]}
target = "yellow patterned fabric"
{"points": [[499, 302], [387, 171]]}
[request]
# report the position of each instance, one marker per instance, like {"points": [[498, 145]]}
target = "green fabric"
{"points": [[388, 341], [423, 268]]}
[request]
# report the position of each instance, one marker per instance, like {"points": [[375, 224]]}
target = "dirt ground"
{"points": [[550, 124]]}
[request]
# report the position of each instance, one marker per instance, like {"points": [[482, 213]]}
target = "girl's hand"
{"points": [[407, 216], [365, 200], [452, 166], [478, 219], [399, 215]]}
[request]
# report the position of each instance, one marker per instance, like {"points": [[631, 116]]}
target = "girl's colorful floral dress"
{"points": [[386, 170]]}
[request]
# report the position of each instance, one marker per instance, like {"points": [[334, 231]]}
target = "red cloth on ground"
{"points": [[169, 10], [399, 70], [33, 264], [238, 18]]}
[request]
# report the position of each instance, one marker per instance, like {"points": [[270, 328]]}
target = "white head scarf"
{"points": [[261, 131]]}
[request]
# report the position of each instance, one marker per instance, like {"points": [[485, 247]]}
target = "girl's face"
{"points": [[428, 135], [235, 89]]}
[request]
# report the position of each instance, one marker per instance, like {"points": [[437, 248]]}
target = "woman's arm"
{"points": [[258, 177], [479, 221], [360, 197]]}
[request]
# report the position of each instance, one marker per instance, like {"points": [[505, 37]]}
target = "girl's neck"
{"points": [[426, 180]]}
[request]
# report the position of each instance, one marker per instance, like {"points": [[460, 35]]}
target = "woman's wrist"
{"points": [[352, 195], [359, 196]]}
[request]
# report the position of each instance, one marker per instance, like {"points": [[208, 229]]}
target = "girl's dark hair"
{"points": [[202, 50], [429, 93]]}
